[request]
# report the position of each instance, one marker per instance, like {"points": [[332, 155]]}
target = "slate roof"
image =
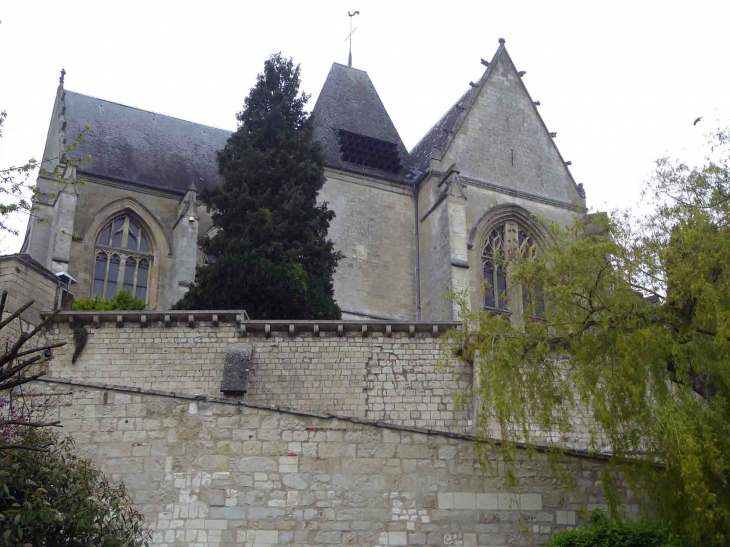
{"points": [[349, 101], [141, 147], [436, 138]]}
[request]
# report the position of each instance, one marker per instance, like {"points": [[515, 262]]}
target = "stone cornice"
{"points": [[216, 317], [128, 185], [517, 193], [365, 180]]}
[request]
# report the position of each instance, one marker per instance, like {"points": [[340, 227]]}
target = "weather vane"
{"points": [[349, 36]]}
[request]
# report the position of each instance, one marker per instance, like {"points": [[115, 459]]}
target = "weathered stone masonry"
{"points": [[386, 373], [213, 472]]}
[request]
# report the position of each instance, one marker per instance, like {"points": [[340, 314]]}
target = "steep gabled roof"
{"points": [[437, 137], [141, 147], [440, 136], [349, 103]]}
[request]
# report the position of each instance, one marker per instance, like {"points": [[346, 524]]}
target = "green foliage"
{"points": [[271, 254], [636, 332], [600, 533], [56, 498], [122, 301]]}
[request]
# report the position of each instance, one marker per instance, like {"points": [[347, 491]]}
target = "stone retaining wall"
{"points": [[223, 473]]}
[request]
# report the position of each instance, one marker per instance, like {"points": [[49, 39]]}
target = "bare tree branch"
{"points": [[24, 447], [31, 424]]}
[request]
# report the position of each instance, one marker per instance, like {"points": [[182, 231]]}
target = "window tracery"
{"points": [[505, 240], [495, 292], [123, 259]]}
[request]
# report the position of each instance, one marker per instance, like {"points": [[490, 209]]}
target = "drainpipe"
{"points": [[416, 190]]}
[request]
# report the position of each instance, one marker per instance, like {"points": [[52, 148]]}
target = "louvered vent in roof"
{"points": [[369, 152]]}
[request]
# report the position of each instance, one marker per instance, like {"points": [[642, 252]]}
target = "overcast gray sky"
{"points": [[620, 82]]}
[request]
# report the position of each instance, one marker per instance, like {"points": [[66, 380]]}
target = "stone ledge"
{"points": [[216, 317], [542, 448]]}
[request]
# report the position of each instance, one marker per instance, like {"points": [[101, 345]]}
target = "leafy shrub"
{"points": [[122, 301], [55, 498], [600, 533]]}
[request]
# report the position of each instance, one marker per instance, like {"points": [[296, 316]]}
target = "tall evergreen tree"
{"points": [[271, 255]]}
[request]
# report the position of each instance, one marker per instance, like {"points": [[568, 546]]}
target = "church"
{"points": [[486, 178], [228, 430]]}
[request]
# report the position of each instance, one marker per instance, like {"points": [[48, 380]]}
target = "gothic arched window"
{"points": [[533, 303], [123, 259], [505, 240], [493, 263]]}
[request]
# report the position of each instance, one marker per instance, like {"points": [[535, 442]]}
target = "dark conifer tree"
{"points": [[271, 255]]}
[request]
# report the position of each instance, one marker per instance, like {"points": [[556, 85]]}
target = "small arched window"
{"points": [[505, 240], [123, 259]]}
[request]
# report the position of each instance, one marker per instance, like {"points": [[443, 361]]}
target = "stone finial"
{"points": [[581, 190], [501, 40], [63, 76]]}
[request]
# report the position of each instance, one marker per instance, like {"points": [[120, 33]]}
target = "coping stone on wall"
{"points": [[217, 317]]}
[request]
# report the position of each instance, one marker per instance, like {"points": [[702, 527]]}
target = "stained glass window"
{"points": [[123, 259]]}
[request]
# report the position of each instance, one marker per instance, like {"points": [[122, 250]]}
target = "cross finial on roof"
{"points": [[349, 36], [63, 76]]}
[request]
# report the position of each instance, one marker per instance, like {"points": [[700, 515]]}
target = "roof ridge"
{"points": [[350, 67], [438, 122], [148, 111]]}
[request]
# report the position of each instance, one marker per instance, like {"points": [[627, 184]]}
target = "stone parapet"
{"points": [[215, 317], [380, 370]]}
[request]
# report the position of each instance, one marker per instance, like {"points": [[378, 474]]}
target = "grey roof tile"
{"points": [[349, 101], [437, 137], [149, 149], [141, 147]]}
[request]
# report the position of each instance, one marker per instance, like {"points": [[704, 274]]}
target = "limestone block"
{"points": [[445, 500], [464, 500]]}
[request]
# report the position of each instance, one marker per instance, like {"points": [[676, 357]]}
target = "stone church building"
{"points": [[229, 431], [410, 224]]}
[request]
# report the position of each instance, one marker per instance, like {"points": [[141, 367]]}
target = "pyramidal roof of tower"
{"points": [[349, 103]]}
